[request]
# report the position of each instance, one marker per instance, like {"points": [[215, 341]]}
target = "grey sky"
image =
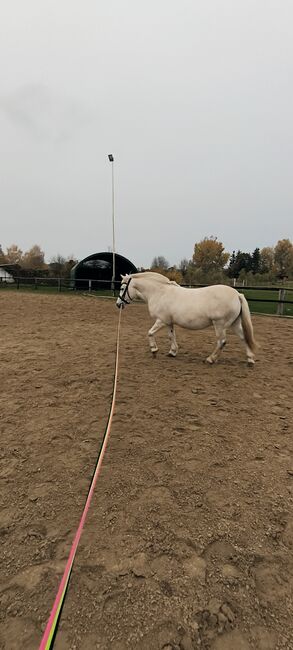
{"points": [[195, 100]]}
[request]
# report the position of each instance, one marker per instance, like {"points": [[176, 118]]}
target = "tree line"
{"points": [[210, 263], [32, 262]]}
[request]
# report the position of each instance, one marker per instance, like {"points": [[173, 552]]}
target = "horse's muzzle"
{"points": [[120, 304]]}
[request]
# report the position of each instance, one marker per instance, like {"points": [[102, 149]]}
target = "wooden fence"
{"points": [[281, 300]]}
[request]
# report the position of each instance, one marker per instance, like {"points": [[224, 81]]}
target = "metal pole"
{"points": [[111, 158], [113, 229]]}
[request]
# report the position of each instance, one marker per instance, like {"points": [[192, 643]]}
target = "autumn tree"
{"points": [[34, 258], [283, 257], [209, 255], [174, 274], [13, 254], [267, 259]]}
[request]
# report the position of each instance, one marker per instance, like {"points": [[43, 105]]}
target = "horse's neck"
{"points": [[148, 289]]}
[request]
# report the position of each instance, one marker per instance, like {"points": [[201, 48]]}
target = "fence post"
{"points": [[59, 284], [36, 283], [90, 285], [280, 305]]}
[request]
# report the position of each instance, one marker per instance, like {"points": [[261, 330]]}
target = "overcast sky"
{"points": [[193, 98]]}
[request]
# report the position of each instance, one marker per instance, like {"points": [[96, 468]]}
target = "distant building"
{"points": [[8, 272], [99, 269]]}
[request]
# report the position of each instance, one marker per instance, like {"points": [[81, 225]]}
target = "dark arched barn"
{"points": [[97, 268]]}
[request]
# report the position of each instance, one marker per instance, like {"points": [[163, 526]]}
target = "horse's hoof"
{"points": [[154, 353], [250, 363], [209, 361], [172, 354]]}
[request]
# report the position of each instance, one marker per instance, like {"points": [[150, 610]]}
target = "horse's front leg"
{"points": [[174, 347], [152, 341]]}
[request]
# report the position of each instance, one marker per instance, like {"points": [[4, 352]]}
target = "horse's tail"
{"points": [[247, 324]]}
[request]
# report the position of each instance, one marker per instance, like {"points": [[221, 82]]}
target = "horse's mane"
{"points": [[152, 275]]}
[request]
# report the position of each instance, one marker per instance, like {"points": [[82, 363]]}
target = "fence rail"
{"points": [[252, 293], [279, 301]]}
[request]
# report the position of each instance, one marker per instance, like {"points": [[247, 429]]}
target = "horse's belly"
{"points": [[192, 321]]}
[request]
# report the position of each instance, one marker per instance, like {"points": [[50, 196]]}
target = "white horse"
{"points": [[218, 305]]}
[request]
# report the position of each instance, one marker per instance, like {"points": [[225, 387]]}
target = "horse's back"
{"points": [[217, 295], [222, 291], [202, 306]]}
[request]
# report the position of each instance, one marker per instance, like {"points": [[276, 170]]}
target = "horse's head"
{"points": [[126, 293]]}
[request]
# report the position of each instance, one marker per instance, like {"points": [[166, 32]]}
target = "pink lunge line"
{"points": [[49, 631]]}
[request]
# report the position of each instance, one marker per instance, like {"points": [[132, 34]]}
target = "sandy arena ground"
{"points": [[189, 538]]}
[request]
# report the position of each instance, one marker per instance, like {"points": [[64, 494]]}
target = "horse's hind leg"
{"points": [[174, 347], [238, 329], [221, 342], [155, 328]]}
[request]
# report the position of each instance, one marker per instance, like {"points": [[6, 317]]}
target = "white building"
{"points": [[5, 275]]}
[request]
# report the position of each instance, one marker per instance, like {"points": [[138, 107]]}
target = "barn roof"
{"points": [[99, 268]]}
